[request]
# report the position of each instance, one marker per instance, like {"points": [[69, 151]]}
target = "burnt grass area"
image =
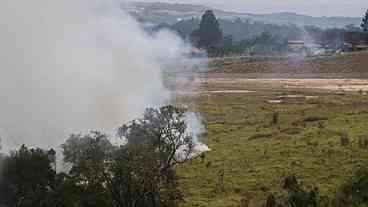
{"points": [[255, 144]]}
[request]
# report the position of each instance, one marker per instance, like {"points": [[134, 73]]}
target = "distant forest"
{"points": [[242, 36]]}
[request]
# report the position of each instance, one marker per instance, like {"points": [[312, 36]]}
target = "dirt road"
{"points": [[237, 82]]}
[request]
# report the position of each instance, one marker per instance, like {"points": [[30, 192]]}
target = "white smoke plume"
{"points": [[74, 65], [196, 129]]}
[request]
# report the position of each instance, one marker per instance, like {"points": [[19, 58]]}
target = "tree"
{"points": [[138, 174], [165, 131], [90, 156], [228, 45], [209, 35], [161, 140], [28, 178], [364, 24]]}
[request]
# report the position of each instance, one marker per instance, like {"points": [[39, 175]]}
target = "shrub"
{"points": [[344, 139]]}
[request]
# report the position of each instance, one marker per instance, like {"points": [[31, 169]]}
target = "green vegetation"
{"points": [[209, 35], [309, 150], [221, 37], [140, 173], [364, 24], [256, 144]]}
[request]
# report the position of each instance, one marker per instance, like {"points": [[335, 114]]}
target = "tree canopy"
{"points": [[209, 34], [364, 24], [27, 177], [140, 173]]}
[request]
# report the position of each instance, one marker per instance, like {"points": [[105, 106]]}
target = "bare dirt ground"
{"points": [[236, 83], [349, 65], [329, 84], [339, 73], [316, 84]]}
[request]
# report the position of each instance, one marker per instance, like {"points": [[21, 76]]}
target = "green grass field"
{"points": [[257, 144]]}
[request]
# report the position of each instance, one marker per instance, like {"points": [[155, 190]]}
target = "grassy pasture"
{"points": [[255, 143]]}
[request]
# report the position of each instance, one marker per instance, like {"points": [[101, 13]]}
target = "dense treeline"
{"points": [[140, 173], [245, 37]]}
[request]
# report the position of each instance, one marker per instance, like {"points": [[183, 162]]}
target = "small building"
{"points": [[296, 45], [355, 41]]}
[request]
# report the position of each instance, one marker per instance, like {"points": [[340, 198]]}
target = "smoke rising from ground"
{"points": [[70, 66], [195, 127]]}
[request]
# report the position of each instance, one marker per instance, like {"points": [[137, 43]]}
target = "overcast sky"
{"points": [[311, 7]]}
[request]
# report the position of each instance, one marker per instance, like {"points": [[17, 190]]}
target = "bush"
{"points": [[354, 192], [344, 139], [297, 196], [363, 142], [315, 119]]}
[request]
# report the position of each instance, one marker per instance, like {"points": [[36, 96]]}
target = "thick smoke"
{"points": [[74, 65]]}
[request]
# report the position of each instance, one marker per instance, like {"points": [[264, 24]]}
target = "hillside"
{"points": [[172, 13]]}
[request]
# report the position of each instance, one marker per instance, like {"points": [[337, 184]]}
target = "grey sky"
{"points": [[311, 7]]}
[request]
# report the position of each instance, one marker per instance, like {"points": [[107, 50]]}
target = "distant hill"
{"points": [[157, 13]]}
